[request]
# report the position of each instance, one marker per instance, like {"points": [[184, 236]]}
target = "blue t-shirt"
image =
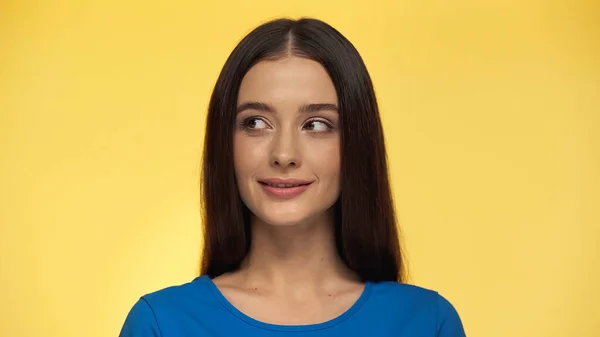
{"points": [[199, 309]]}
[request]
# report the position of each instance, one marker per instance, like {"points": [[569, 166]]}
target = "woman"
{"points": [[300, 234]]}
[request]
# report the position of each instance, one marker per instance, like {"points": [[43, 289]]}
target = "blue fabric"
{"points": [[199, 309]]}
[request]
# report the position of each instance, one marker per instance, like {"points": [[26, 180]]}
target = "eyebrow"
{"points": [[318, 107], [306, 108]]}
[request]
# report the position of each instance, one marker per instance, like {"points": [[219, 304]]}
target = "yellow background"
{"points": [[491, 112]]}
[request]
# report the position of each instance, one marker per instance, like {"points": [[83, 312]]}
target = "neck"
{"points": [[299, 255]]}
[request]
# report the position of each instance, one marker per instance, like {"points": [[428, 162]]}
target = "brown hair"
{"points": [[365, 227]]}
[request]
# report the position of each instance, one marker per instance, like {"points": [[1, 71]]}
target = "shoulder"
{"points": [[421, 305], [195, 291], [154, 312], [404, 295]]}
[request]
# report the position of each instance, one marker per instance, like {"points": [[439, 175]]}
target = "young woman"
{"points": [[300, 234]]}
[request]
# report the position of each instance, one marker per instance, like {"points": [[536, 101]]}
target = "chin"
{"points": [[279, 216], [283, 219]]}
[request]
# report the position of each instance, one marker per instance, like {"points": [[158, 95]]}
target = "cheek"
{"points": [[247, 156], [238, 149], [324, 158]]}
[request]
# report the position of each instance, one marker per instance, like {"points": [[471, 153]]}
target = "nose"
{"points": [[284, 152]]}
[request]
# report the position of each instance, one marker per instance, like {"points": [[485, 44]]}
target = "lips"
{"points": [[282, 185], [279, 182], [284, 188]]}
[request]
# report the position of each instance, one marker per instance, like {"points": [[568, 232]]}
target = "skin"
{"points": [[293, 274]]}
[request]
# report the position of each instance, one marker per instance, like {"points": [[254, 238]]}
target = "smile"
{"points": [[282, 185], [284, 189]]}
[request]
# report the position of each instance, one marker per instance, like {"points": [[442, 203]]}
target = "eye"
{"points": [[254, 123], [318, 125]]}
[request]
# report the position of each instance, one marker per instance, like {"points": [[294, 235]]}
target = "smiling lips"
{"points": [[284, 188]]}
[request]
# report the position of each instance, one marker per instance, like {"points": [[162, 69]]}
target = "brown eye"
{"points": [[318, 125], [254, 123]]}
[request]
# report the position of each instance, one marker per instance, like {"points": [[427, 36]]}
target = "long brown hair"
{"points": [[366, 232]]}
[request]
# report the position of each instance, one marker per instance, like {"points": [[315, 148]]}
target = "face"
{"points": [[287, 141]]}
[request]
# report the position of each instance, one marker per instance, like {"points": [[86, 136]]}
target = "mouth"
{"points": [[285, 189], [282, 185]]}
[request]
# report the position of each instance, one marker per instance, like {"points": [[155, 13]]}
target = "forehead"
{"points": [[292, 79]]}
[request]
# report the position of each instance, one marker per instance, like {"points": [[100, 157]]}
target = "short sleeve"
{"points": [[140, 322], [449, 323]]}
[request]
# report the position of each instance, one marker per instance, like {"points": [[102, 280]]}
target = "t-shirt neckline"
{"points": [[278, 327]]}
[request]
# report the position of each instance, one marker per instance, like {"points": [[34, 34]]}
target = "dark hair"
{"points": [[366, 231]]}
